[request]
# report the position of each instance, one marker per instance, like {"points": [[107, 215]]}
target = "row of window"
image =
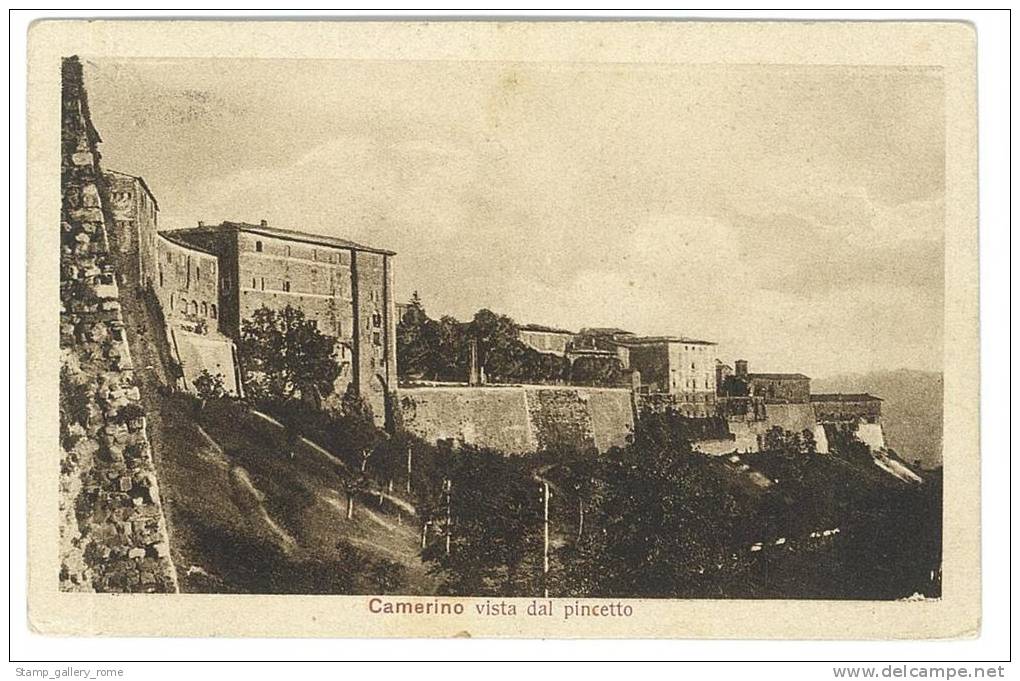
{"points": [[326, 256], [198, 268], [194, 307], [259, 284], [691, 383]]}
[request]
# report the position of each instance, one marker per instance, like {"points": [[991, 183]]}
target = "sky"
{"points": [[792, 214]]}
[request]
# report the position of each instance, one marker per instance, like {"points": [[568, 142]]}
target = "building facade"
{"points": [[546, 338], [345, 288], [776, 388], [186, 284], [683, 367], [134, 216]]}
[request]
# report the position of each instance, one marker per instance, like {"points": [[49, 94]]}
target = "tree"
{"points": [[282, 353], [500, 350], [808, 445], [353, 428], [417, 337], [209, 386], [604, 371], [496, 533]]}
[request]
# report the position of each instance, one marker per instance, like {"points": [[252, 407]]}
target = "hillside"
{"points": [[911, 411], [251, 513]]}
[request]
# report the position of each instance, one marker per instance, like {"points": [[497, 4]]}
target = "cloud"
{"points": [[794, 214]]}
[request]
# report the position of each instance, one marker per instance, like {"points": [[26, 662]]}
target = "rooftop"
{"points": [[543, 329], [604, 331], [650, 340], [780, 377], [175, 236], [845, 397], [288, 234]]}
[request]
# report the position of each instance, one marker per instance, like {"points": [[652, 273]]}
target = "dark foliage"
{"points": [[657, 519], [282, 354], [440, 350]]}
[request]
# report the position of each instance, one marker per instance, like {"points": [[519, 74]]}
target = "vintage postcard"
{"points": [[503, 329]]}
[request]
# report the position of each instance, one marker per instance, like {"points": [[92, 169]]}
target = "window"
{"points": [[161, 277], [198, 272], [194, 307], [286, 285], [288, 250], [254, 283], [376, 320], [212, 310], [258, 246], [376, 338], [171, 301], [263, 283], [205, 309]]}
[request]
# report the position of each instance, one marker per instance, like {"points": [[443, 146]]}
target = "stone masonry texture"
{"points": [[113, 533]]}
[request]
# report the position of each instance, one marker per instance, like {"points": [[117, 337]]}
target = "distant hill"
{"points": [[911, 408]]}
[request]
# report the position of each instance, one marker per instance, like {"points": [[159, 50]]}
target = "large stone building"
{"points": [[208, 279], [345, 288], [770, 387], [134, 213], [675, 365]]}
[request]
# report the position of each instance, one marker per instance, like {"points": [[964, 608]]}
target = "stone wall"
{"points": [[847, 408], [113, 534], [486, 417], [748, 432], [871, 434], [196, 353], [691, 405], [520, 419], [187, 285]]}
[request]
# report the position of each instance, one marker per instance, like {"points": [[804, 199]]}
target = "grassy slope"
{"points": [[246, 517]]}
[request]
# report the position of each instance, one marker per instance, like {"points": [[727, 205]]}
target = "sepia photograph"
{"points": [[504, 337]]}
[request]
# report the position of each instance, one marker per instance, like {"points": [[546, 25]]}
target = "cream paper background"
{"points": [[950, 47]]}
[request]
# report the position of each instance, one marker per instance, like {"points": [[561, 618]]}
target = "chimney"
{"points": [[201, 224], [263, 223], [740, 368]]}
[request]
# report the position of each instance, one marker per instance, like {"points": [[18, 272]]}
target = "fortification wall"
{"points": [[791, 417], [871, 434], [485, 417], [612, 416], [795, 418], [205, 352], [520, 419], [658, 403], [113, 534]]}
